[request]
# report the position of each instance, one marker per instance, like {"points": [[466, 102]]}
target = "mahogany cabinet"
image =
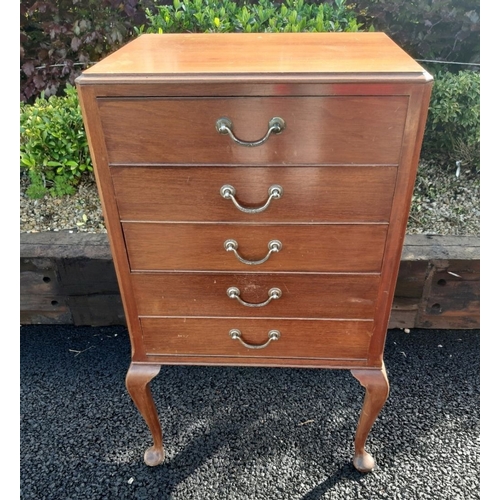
{"points": [[256, 189]]}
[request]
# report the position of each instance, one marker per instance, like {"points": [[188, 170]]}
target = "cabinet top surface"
{"points": [[208, 55]]}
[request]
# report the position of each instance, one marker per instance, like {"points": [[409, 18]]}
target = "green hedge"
{"points": [[261, 16], [54, 147], [445, 30], [59, 38], [453, 123]]}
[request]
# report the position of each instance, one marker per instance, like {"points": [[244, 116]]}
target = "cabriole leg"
{"points": [[137, 382], [377, 389]]}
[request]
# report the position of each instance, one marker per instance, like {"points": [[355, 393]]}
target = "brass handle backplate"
{"points": [[224, 126], [232, 246], [272, 334], [234, 293], [228, 193]]}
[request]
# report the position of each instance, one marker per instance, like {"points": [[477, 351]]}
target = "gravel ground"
{"points": [[246, 433], [442, 204]]}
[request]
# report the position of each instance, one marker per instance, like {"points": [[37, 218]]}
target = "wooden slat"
{"points": [[84, 283], [404, 313], [87, 277]]}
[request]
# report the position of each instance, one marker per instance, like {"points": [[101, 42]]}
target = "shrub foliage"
{"points": [[60, 37], [453, 123], [54, 148], [247, 17], [446, 30]]}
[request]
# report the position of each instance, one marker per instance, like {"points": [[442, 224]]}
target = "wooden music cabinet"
{"points": [[256, 189]]}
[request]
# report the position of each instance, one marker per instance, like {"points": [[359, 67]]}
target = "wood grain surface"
{"points": [[354, 106], [303, 296], [260, 53], [312, 194], [322, 339], [319, 130], [311, 248]]}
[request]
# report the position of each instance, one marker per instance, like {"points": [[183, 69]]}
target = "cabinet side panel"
{"points": [[410, 154], [99, 157]]}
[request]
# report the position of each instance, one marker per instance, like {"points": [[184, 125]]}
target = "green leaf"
{"points": [[29, 162]]}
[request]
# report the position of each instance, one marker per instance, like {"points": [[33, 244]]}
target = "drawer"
{"points": [[309, 194], [318, 130], [318, 339], [298, 296], [306, 248]]}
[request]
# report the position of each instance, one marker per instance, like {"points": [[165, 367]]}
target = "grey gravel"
{"points": [[80, 212], [445, 204], [442, 204], [246, 433]]}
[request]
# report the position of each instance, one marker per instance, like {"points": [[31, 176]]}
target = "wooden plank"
{"points": [[97, 310], [404, 312], [83, 281], [411, 279], [408, 295], [42, 309], [440, 247], [62, 270], [64, 245], [85, 276], [41, 282], [452, 299]]}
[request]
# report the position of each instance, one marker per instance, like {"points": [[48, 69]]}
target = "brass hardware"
{"points": [[234, 293], [224, 126], [232, 246], [275, 192], [272, 334]]}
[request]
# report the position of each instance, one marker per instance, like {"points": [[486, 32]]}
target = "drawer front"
{"points": [[210, 294], [306, 248], [318, 130], [313, 194], [318, 339]]}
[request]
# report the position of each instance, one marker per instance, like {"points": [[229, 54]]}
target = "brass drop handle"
{"points": [[234, 293], [232, 246], [228, 192], [224, 126], [272, 334]]}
